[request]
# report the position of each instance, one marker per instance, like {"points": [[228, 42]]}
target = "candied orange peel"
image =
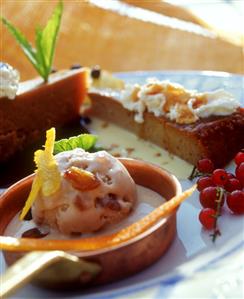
{"points": [[47, 176], [99, 242]]}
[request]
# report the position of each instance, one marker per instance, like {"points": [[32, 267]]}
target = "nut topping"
{"points": [[109, 201]]}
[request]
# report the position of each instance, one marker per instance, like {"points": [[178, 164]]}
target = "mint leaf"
{"points": [[84, 141], [48, 36], [23, 42], [41, 57], [39, 53]]}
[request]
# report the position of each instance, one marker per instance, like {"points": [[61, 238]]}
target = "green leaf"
{"points": [[41, 57], [84, 141], [39, 53], [48, 37], [23, 42]]}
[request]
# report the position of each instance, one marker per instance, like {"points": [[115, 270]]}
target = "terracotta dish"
{"points": [[107, 264]]}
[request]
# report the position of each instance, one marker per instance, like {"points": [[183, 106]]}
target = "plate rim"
{"points": [[206, 73], [162, 279], [172, 278]]}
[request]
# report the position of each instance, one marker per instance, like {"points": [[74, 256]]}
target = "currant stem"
{"points": [[217, 232], [194, 173]]}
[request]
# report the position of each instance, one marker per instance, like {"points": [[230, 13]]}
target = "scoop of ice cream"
{"points": [[96, 190]]}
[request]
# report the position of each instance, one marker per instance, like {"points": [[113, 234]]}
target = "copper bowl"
{"points": [[112, 263]]}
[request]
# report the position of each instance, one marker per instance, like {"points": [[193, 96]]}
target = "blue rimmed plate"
{"points": [[194, 266]]}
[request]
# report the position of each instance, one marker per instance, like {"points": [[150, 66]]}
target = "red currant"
{"points": [[209, 197], [204, 182], [207, 218], [205, 166], [239, 158], [220, 177], [240, 173], [230, 175], [235, 201], [232, 185]]}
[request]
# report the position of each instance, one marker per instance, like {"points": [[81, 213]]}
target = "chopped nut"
{"points": [[154, 89], [199, 101], [63, 208], [109, 201], [104, 124], [113, 145], [130, 150], [134, 95], [185, 115], [116, 155], [79, 203], [105, 178]]}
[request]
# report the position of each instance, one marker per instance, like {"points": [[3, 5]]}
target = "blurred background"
{"points": [[133, 34]]}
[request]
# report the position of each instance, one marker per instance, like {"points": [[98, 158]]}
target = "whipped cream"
{"points": [[163, 98], [219, 102], [9, 81], [130, 99]]}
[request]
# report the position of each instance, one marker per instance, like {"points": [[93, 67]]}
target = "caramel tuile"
{"points": [[95, 243]]}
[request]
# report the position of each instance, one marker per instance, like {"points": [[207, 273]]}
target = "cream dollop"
{"points": [[130, 100], [219, 102], [163, 98], [9, 81]]}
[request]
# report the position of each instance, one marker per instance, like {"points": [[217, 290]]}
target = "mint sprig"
{"points": [[84, 141], [41, 57]]}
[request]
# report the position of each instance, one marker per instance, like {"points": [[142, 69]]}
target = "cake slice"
{"points": [[175, 119], [39, 106]]}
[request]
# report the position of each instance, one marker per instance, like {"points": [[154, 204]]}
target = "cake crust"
{"points": [[217, 138]]}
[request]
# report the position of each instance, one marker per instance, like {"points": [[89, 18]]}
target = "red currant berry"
{"points": [[230, 175], [232, 185], [204, 182], [239, 158], [209, 197], [207, 218], [205, 166], [235, 201], [240, 173], [220, 177]]}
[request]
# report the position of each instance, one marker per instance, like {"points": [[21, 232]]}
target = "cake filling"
{"points": [[163, 98]]}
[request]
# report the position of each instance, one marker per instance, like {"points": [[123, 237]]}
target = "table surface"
{"points": [[133, 35]]}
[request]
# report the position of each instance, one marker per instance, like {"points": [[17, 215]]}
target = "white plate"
{"points": [[193, 267]]}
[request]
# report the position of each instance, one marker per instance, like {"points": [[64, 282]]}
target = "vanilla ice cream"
{"points": [[105, 194]]}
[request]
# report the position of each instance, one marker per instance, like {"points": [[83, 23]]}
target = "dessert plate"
{"points": [[194, 267]]}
